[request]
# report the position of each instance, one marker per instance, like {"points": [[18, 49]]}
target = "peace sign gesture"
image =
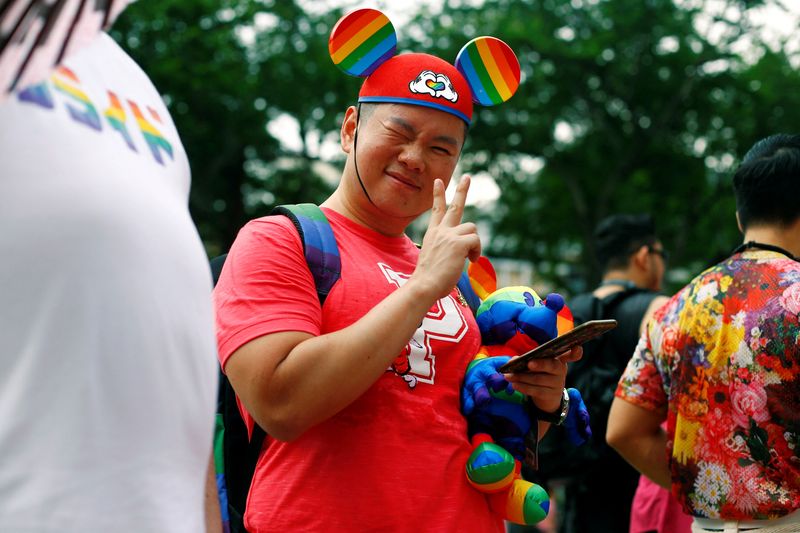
{"points": [[447, 242]]}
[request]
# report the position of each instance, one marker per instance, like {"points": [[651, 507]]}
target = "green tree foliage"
{"points": [[626, 105]]}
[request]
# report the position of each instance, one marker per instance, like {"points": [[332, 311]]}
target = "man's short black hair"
{"points": [[767, 181], [618, 236]]}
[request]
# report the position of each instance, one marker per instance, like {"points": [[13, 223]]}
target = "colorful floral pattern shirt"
{"points": [[722, 357]]}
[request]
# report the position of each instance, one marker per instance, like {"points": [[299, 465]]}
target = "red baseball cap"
{"points": [[419, 79]]}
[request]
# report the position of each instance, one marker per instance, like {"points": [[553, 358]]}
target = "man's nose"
{"points": [[411, 157]]}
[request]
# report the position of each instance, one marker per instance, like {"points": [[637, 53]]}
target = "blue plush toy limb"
{"points": [[577, 423], [492, 406], [482, 376]]}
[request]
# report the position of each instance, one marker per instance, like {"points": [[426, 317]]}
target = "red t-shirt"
{"points": [[393, 459]]}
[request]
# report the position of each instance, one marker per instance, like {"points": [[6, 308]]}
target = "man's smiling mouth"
{"points": [[408, 182]]}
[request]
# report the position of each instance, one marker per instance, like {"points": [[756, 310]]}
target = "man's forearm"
{"points": [[638, 437], [319, 376], [648, 456]]}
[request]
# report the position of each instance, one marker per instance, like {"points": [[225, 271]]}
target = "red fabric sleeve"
{"points": [[265, 286]]}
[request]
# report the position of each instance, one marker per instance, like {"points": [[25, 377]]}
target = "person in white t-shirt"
{"points": [[107, 348]]}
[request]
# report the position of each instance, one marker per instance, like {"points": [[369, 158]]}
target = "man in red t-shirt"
{"points": [[355, 442]]}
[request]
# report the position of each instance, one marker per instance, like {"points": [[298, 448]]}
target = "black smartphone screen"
{"points": [[560, 345]]}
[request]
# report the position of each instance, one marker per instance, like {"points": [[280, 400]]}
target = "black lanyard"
{"points": [[762, 246]]}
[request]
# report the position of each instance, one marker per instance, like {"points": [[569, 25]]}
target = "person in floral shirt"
{"points": [[721, 363]]}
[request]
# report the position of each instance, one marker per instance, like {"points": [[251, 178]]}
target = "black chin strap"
{"points": [[763, 246], [355, 153]]}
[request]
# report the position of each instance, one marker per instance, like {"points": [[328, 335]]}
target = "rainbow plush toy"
{"points": [[512, 321]]}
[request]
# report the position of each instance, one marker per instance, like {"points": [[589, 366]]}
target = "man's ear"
{"points": [[348, 132], [640, 257], [739, 223]]}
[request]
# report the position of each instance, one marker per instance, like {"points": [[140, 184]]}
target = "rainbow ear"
{"points": [[482, 277], [361, 41], [491, 69], [564, 320]]}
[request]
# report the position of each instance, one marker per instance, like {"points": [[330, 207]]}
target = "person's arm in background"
{"points": [[639, 407], [211, 499], [637, 435], [657, 302], [290, 381]]}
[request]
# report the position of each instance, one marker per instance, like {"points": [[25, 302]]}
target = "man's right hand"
{"points": [[447, 243]]}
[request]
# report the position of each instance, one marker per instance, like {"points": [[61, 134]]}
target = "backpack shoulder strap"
{"points": [[636, 302], [319, 244], [615, 299], [216, 266], [236, 453], [629, 309], [468, 293], [586, 307]]}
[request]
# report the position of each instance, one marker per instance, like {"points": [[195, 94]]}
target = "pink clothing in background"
{"points": [[655, 509]]}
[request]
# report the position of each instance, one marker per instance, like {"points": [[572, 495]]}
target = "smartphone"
{"points": [[560, 345]]}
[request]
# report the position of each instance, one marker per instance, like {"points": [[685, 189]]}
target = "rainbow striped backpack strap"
{"points": [[319, 244], [468, 293], [235, 451]]}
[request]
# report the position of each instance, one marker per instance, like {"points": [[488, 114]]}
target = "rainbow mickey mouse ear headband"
{"points": [[364, 44], [361, 41], [491, 69]]}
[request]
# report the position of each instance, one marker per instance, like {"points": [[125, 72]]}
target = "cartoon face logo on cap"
{"points": [[436, 85]]}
